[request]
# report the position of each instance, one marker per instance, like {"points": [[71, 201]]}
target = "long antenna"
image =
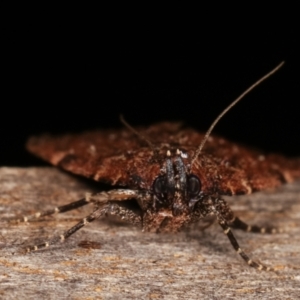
{"points": [[138, 134], [229, 107]]}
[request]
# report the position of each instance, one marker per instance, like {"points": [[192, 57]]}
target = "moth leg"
{"points": [[90, 218], [118, 194], [239, 224], [225, 217], [109, 208], [236, 246], [125, 213], [56, 210]]}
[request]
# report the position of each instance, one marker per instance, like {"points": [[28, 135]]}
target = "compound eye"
{"points": [[193, 185], [160, 186]]}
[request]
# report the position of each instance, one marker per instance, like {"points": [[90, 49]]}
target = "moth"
{"points": [[174, 175]]}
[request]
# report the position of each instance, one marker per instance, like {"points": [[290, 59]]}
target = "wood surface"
{"points": [[130, 264]]}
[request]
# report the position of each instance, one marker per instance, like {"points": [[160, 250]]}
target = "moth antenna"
{"points": [[138, 134], [229, 107]]}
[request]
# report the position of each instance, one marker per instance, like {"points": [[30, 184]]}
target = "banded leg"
{"points": [[226, 212], [93, 216], [56, 210], [111, 208], [237, 248], [239, 224], [225, 216], [102, 197]]}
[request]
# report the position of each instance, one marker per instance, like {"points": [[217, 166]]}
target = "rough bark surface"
{"points": [[108, 260]]}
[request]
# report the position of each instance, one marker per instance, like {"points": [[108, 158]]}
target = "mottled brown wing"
{"points": [[239, 170], [119, 157], [114, 156]]}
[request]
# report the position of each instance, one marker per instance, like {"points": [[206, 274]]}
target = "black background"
{"points": [[73, 76]]}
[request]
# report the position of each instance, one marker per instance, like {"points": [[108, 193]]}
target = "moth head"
{"points": [[176, 189]]}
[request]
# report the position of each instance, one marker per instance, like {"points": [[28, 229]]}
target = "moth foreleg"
{"points": [[236, 246], [115, 208], [226, 217], [90, 218]]}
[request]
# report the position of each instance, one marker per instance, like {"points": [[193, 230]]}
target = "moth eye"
{"points": [[160, 186], [193, 185]]}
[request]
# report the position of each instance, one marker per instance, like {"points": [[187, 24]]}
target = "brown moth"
{"points": [[176, 175]]}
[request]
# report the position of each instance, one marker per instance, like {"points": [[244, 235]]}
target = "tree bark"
{"points": [[110, 260]]}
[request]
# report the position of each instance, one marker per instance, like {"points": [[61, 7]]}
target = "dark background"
{"points": [[72, 76]]}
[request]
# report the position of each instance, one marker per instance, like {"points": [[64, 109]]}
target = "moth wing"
{"points": [[119, 157], [244, 170]]}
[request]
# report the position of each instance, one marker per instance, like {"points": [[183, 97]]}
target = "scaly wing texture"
{"points": [[119, 157]]}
